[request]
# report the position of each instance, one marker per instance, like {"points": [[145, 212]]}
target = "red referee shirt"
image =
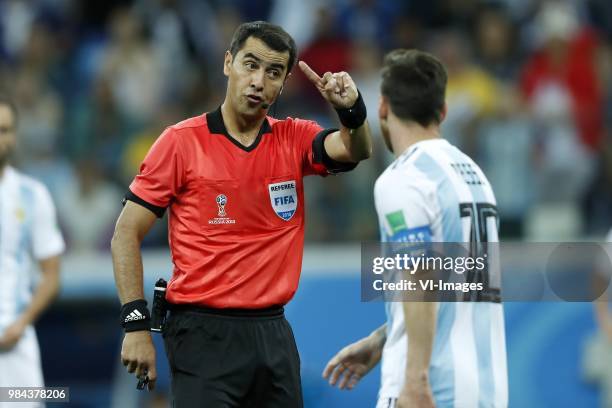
{"points": [[236, 214]]}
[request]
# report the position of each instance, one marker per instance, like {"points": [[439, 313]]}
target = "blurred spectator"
{"points": [[194, 21], [297, 17], [16, 18], [41, 114], [327, 51], [505, 152], [471, 92], [88, 208], [97, 125], [452, 14], [408, 32], [504, 133], [363, 20], [227, 18], [332, 221], [169, 46], [366, 59], [132, 69], [560, 85], [565, 61], [496, 43]]}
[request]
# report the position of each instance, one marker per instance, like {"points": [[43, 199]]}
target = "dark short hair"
{"points": [[415, 84], [6, 100], [272, 35]]}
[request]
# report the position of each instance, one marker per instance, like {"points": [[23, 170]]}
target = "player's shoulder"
{"points": [[408, 170], [184, 131], [404, 177], [27, 183], [196, 122], [432, 156], [437, 148], [290, 123]]}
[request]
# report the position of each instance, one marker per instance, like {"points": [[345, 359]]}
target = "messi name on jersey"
{"points": [[283, 197]]}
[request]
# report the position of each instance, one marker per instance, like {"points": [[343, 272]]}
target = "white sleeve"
{"points": [[408, 213], [47, 240]]}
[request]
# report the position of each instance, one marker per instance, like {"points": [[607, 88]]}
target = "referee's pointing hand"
{"points": [[337, 88], [138, 355]]}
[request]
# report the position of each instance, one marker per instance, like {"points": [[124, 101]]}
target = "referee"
{"points": [[232, 181]]}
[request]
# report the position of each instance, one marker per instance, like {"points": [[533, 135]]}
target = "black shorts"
{"points": [[232, 358]]}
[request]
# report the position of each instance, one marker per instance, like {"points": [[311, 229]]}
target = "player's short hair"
{"points": [[414, 82], [271, 34], [7, 100]]}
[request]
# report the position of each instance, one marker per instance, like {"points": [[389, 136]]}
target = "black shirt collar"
{"points": [[215, 124]]}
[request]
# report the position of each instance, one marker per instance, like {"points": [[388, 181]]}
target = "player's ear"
{"points": [[285, 81], [443, 113], [283, 85], [227, 63], [383, 108]]}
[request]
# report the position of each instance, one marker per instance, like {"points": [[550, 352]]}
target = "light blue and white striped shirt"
{"points": [[28, 233], [436, 192]]}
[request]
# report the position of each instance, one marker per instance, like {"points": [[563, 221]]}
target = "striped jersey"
{"points": [[436, 193], [28, 233]]}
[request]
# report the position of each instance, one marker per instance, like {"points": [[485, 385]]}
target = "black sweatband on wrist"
{"points": [[354, 116], [135, 316]]}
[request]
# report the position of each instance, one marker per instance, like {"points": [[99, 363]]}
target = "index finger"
{"points": [[329, 368], [310, 74]]}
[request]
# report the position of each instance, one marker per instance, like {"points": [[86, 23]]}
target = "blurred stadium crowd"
{"points": [[529, 96]]}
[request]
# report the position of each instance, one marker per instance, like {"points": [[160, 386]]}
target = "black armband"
{"points": [[158, 211], [320, 154], [354, 116], [135, 316]]}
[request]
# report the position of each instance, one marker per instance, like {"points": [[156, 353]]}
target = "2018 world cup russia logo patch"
{"points": [[283, 197]]}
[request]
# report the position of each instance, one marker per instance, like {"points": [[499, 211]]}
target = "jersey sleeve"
{"points": [[315, 159], [47, 240], [408, 214], [161, 175]]}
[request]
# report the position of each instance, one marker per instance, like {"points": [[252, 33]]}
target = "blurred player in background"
{"points": [[433, 354], [232, 181], [28, 233]]}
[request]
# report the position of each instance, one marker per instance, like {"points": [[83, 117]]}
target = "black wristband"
{"points": [[135, 316], [354, 116]]}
